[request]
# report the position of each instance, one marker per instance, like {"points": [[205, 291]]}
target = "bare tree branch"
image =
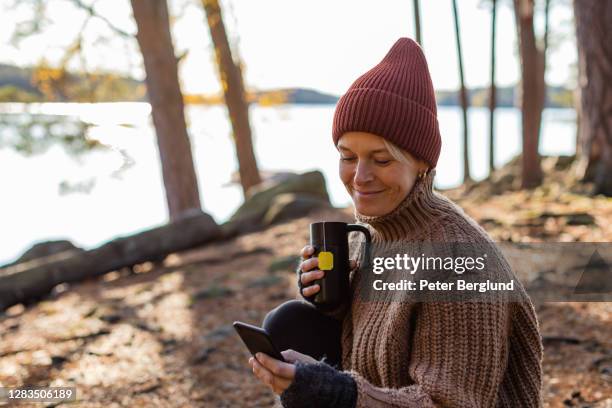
{"points": [[92, 12], [35, 25]]}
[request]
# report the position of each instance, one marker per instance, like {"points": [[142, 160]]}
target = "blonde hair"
{"points": [[402, 155]]}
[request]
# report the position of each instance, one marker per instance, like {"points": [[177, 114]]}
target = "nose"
{"points": [[363, 173]]}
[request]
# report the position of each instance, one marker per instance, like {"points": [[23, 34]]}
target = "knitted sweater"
{"points": [[429, 354]]}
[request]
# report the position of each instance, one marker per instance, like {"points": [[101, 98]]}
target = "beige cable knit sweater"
{"points": [[437, 354]]}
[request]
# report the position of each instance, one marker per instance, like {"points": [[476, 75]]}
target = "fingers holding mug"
{"points": [[307, 251], [308, 277], [309, 264], [311, 290], [308, 272]]}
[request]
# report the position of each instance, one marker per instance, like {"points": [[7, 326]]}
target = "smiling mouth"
{"points": [[367, 193]]}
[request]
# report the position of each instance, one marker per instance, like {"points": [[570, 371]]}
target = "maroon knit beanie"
{"points": [[394, 100]]}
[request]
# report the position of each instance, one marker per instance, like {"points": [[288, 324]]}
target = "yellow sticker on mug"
{"points": [[326, 261]]}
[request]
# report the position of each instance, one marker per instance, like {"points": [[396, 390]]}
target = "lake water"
{"points": [[121, 202]]}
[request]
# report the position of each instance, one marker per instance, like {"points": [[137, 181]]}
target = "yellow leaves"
{"points": [[141, 91], [272, 98], [48, 74], [48, 80], [197, 99], [56, 83]]}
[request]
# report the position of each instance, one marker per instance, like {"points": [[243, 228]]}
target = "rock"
{"points": [[290, 205], [493, 222], [147, 386], [214, 291], [579, 219], [564, 162], [57, 361], [148, 327], [271, 179], [604, 365], [259, 199], [285, 263], [268, 178], [169, 346], [244, 225], [111, 318], [43, 249]]}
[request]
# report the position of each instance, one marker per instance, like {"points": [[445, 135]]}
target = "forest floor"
{"points": [[161, 335]]}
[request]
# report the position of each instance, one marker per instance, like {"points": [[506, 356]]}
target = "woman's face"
{"points": [[376, 181]]}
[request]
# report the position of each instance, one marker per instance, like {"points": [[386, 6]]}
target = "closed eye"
{"points": [[378, 162]]}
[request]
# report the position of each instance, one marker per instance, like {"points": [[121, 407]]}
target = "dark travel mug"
{"points": [[330, 242]]}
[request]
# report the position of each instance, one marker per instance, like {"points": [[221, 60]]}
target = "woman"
{"points": [[410, 353]]}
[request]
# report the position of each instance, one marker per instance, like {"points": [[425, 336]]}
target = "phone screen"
{"points": [[257, 340]]}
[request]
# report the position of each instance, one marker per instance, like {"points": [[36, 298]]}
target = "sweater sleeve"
{"points": [[458, 357], [319, 385]]}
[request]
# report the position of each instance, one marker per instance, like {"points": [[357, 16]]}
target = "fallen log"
{"points": [[30, 280]]}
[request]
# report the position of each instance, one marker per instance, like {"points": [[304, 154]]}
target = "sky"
{"points": [[319, 44]]}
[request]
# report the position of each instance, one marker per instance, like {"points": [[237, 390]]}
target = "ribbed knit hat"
{"points": [[394, 100]]}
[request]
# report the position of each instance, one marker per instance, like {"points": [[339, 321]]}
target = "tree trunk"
{"points": [[492, 91], [594, 39], [417, 22], [546, 31], [464, 99], [166, 100], [531, 92], [32, 279], [235, 99], [545, 50]]}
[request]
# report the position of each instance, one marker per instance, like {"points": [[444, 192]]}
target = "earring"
{"points": [[422, 174]]}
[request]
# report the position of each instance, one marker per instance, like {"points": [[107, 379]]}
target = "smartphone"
{"points": [[257, 340]]}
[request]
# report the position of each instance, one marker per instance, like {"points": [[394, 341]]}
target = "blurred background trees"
{"points": [[166, 101], [492, 88], [594, 34], [531, 91], [418, 34], [55, 82], [163, 90], [234, 94], [463, 97]]}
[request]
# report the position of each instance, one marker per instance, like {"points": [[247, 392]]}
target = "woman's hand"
{"points": [[310, 273], [277, 374]]}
